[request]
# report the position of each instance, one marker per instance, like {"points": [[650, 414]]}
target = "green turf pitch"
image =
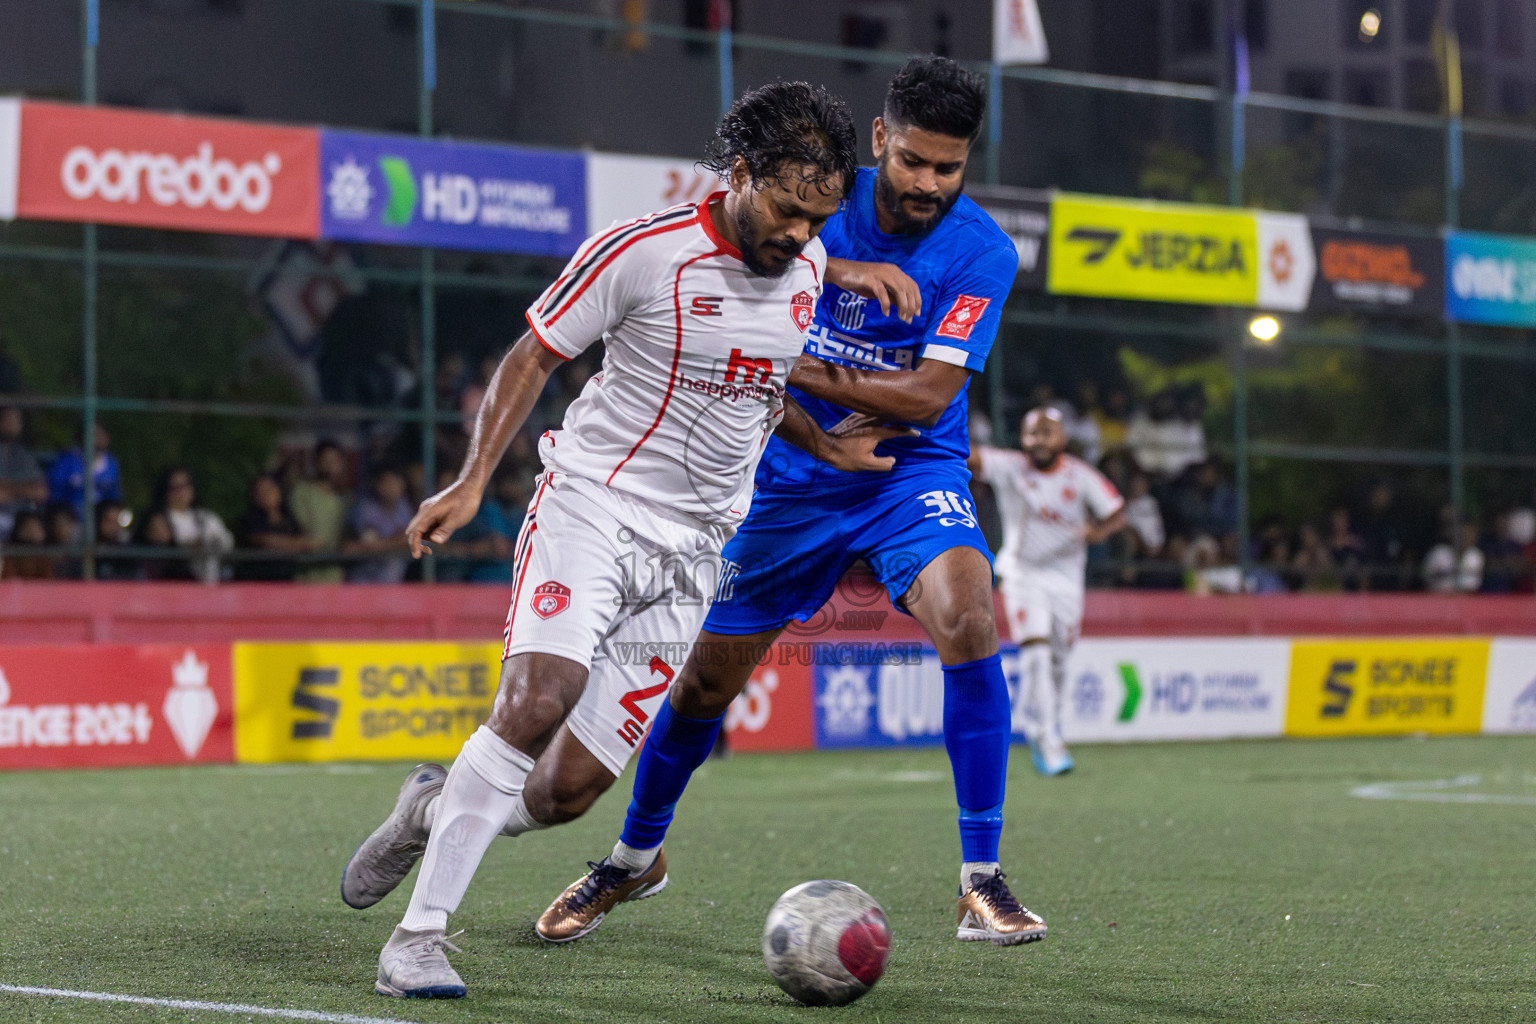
{"points": [[1204, 882]]}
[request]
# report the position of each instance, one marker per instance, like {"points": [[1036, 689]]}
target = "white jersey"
{"points": [[698, 352], [1044, 515]]}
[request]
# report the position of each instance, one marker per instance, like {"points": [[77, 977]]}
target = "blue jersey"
{"points": [[965, 267]]}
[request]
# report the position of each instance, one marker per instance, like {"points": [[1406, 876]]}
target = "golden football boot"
{"points": [[581, 908], [990, 913]]}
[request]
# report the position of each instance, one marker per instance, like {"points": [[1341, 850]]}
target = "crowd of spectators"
{"points": [[1182, 508]]}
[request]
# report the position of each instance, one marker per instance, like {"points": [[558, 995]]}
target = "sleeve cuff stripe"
{"points": [[533, 325], [947, 354]]}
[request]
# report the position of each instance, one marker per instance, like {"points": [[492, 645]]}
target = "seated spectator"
{"points": [[378, 528], [269, 526], [1206, 503], [1210, 569], [1270, 575], [66, 477], [1161, 442], [1144, 517], [1313, 563], [1447, 573], [1113, 418], [1083, 434], [1505, 559], [63, 530], [27, 530], [480, 551], [155, 532], [513, 491], [319, 506], [1384, 535], [199, 529], [22, 483], [114, 529]]}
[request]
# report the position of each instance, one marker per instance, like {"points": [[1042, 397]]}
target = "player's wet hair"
{"points": [[788, 126], [937, 95]]}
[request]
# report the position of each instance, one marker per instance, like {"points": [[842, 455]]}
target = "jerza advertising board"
{"points": [[396, 190], [1162, 252], [352, 701], [167, 171], [110, 705], [1490, 279]]}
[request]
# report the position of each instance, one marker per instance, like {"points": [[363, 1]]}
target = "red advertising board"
{"points": [[79, 706], [167, 171], [774, 712]]}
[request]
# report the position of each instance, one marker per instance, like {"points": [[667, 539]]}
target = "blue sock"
{"points": [[977, 723], [676, 746]]}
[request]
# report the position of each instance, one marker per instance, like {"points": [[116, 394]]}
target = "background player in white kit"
{"points": [[1052, 506], [703, 310]]}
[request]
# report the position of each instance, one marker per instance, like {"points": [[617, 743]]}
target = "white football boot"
{"points": [[413, 965], [386, 857]]}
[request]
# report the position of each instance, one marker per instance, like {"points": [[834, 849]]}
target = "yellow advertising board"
{"points": [[360, 701], [1164, 252], [1372, 687]]}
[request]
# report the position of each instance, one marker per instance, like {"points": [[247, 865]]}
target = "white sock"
{"points": [[973, 867], [483, 786], [429, 812], [636, 862], [520, 820]]}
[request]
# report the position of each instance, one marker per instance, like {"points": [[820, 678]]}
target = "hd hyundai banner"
{"points": [[112, 705], [397, 190], [166, 171]]}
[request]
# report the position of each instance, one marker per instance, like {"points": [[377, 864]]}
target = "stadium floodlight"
{"points": [[1370, 25], [1265, 329]]}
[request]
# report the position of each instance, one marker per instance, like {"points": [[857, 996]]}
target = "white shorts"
{"points": [[619, 585], [1043, 613]]}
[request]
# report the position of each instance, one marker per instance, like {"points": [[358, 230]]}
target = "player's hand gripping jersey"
{"points": [[965, 268], [697, 352]]}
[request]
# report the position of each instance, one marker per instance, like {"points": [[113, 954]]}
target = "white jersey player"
{"points": [[703, 310], [1052, 506]]}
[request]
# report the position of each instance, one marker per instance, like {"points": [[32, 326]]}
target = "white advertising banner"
{"points": [[1175, 689], [625, 187], [10, 154], [1509, 702]]}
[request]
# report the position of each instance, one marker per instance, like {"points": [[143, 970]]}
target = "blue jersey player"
{"points": [[916, 286]]}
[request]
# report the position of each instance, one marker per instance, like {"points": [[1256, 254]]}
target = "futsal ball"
{"points": [[826, 942]]}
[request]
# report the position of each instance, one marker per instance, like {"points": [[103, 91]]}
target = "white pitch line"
{"points": [[1438, 791], [192, 1004]]}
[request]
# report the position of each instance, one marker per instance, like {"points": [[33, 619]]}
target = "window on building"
{"points": [[1509, 28], [1309, 83], [1419, 20], [1256, 25], [1470, 25], [1421, 87], [1196, 31], [1367, 87]]}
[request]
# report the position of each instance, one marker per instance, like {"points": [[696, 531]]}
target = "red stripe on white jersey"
{"points": [[587, 283]]}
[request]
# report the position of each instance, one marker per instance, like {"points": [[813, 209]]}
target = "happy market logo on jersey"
{"points": [[550, 599], [962, 316], [802, 308]]}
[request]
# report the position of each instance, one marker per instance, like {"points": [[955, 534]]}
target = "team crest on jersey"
{"points": [[1068, 494], [849, 311], [550, 599], [962, 316], [802, 307]]}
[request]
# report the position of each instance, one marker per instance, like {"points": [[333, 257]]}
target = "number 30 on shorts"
{"points": [[950, 508]]}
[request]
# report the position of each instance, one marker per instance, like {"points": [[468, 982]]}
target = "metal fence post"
{"points": [[1455, 413], [88, 340], [727, 61], [428, 357]]}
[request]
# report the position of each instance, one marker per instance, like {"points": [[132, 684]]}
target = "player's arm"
{"points": [[886, 283], [852, 451], [919, 396], [508, 399], [1099, 532]]}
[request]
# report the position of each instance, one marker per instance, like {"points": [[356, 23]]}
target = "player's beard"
{"points": [[888, 200], [751, 241], [1044, 459]]}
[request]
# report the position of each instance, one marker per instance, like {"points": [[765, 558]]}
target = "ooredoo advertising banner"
{"points": [[361, 701], [1490, 279], [10, 151], [621, 188], [1509, 703], [1162, 252], [1379, 272], [1344, 687], [167, 171], [110, 705], [1149, 689], [397, 190]]}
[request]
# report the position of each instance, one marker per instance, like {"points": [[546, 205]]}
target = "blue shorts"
{"points": [[799, 539]]}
